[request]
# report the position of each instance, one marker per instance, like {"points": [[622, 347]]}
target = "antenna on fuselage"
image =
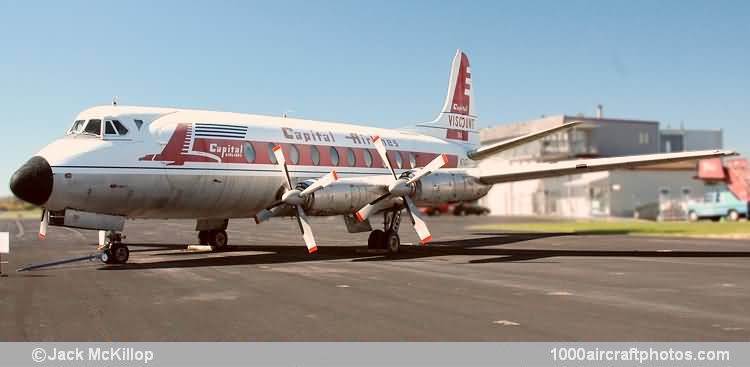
{"points": [[114, 101], [286, 113]]}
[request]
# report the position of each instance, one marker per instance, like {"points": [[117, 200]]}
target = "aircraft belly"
{"points": [[165, 195]]}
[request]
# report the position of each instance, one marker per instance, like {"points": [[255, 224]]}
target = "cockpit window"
{"points": [[77, 126], [110, 129], [94, 127], [121, 129]]}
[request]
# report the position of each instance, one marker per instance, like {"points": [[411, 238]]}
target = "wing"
{"points": [[493, 173], [488, 150]]}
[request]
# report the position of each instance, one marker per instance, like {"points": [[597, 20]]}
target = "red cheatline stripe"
{"points": [[313, 249], [424, 241]]}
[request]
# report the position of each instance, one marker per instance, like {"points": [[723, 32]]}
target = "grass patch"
{"points": [[629, 227]]}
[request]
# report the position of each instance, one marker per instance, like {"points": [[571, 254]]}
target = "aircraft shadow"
{"points": [[475, 247]]}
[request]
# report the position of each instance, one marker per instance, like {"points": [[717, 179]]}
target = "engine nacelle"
{"points": [[444, 187], [86, 220], [341, 198]]}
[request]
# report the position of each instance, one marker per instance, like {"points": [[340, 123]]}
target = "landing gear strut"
{"points": [[387, 239], [114, 251], [218, 239]]}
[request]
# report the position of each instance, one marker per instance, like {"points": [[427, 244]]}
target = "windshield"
{"points": [[92, 127], [77, 127]]}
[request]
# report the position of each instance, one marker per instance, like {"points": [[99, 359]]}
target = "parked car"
{"points": [[436, 210], [470, 209], [717, 205]]}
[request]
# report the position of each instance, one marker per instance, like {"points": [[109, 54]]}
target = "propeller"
{"points": [[43, 224], [296, 198], [402, 187]]}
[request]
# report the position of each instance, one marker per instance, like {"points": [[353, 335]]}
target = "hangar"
{"points": [[622, 193]]}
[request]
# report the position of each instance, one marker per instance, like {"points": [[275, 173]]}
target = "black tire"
{"points": [[693, 216], [733, 215], [376, 241], [116, 254], [392, 241], [204, 238], [219, 239]]}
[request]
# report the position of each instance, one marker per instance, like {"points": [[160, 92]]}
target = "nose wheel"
{"points": [[114, 251], [217, 239]]}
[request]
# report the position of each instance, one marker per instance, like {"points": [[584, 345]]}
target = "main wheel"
{"points": [[376, 241], [218, 239], [117, 253], [733, 215], [392, 241], [204, 238]]}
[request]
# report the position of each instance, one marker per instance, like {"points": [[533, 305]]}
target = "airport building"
{"points": [[659, 191]]}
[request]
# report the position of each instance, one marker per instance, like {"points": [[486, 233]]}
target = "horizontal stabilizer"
{"points": [[492, 174], [488, 150]]}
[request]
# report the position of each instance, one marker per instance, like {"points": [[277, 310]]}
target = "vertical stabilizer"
{"points": [[457, 121]]}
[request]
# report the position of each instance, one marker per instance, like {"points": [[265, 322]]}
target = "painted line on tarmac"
{"points": [[20, 229]]}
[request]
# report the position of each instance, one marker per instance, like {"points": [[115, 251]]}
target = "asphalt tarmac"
{"points": [[466, 286]]}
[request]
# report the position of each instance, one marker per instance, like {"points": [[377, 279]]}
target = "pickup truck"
{"points": [[717, 205]]}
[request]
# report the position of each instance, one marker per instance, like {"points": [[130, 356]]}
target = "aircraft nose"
{"points": [[33, 181]]}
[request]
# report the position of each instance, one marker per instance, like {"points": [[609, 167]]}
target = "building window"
{"points": [[334, 156], [315, 155], [643, 138]]}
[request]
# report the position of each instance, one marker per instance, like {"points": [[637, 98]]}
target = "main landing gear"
{"points": [[387, 239], [217, 238], [114, 251]]}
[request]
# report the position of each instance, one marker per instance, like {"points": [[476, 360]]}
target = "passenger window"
{"points": [[109, 129], [138, 123], [399, 160], [368, 157], [270, 153], [249, 153], [121, 129], [294, 152], [94, 127], [334, 156], [315, 155], [351, 160]]}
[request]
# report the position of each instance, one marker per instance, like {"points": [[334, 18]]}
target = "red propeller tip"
{"points": [[312, 249], [277, 147], [445, 158], [424, 241], [375, 138], [41, 236], [335, 175], [359, 217]]}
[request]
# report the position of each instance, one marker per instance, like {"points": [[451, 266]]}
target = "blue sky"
{"points": [[378, 63]]}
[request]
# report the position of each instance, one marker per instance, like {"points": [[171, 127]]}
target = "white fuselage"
{"points": [[202, 164]]}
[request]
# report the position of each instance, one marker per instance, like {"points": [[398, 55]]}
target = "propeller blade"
{"points": [[269, 213], [368, 209], [43, 224], [304, 226], [102, 238], [416, 219], [380, 147], [281, 161], [320, 183], [433, 166]]}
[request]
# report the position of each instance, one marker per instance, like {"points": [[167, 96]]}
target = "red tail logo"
{"points": [[461, 93]]}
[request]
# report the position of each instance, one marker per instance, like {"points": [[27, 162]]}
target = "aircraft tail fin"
{"points": [[456, 121]]}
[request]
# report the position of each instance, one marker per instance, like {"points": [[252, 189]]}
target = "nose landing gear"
{"points": [[114, 251], [217, 239]]}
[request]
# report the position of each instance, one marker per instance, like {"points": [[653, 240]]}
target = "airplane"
{"points": [[126, 162]]}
